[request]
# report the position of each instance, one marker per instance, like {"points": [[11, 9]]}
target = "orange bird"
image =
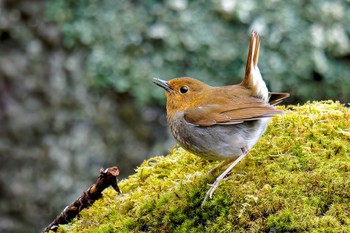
{"points": [[221, 123]]}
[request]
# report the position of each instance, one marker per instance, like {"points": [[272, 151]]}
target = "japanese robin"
{"points": [[221, 123]]}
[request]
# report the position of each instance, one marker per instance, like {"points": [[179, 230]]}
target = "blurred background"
{"points": [[76, 91]]}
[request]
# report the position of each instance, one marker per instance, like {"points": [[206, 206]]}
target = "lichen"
{"points": [[296, 179]]}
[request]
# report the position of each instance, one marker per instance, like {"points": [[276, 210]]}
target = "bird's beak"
{"points": [[163, 84]]}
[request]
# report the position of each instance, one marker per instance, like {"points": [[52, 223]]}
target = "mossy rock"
{"points": [[296, 179]]}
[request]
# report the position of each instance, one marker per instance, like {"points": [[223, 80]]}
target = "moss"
{"points": [[296, 179]]}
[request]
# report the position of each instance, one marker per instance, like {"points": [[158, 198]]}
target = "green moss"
{"points": [[295, 179]]}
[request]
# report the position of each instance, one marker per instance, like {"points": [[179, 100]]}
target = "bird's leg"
{"points": [[223, 175], [223, 164]]}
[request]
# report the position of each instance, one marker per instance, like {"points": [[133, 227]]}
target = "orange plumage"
{"points": [[221, 123]]}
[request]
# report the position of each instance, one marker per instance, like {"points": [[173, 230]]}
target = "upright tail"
{"points": [[252, 78], [253, 53]]}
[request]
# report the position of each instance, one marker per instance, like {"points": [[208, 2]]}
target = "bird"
{"points": [[221, 123]]}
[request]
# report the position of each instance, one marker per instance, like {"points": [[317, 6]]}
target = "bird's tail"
{"points": [[252, 78]]}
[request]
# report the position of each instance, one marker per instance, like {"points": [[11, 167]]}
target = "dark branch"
{"points": [[107, 178]]}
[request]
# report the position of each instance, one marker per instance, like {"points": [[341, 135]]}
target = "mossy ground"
{"points": [[296, 179]]}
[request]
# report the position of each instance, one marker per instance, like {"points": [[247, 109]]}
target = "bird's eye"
{"points": [[183, 89]]}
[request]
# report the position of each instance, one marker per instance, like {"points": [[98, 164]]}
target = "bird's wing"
{"points": [[277, 97], [230, 113]]}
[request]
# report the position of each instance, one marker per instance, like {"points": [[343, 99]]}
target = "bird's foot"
{"points": [[213, 187], [222, 176]]}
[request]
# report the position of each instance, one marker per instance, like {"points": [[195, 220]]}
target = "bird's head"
{"points": [[182, 93]]}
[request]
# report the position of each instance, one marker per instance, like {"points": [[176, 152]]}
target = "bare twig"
{"points": [[107, 178]]}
